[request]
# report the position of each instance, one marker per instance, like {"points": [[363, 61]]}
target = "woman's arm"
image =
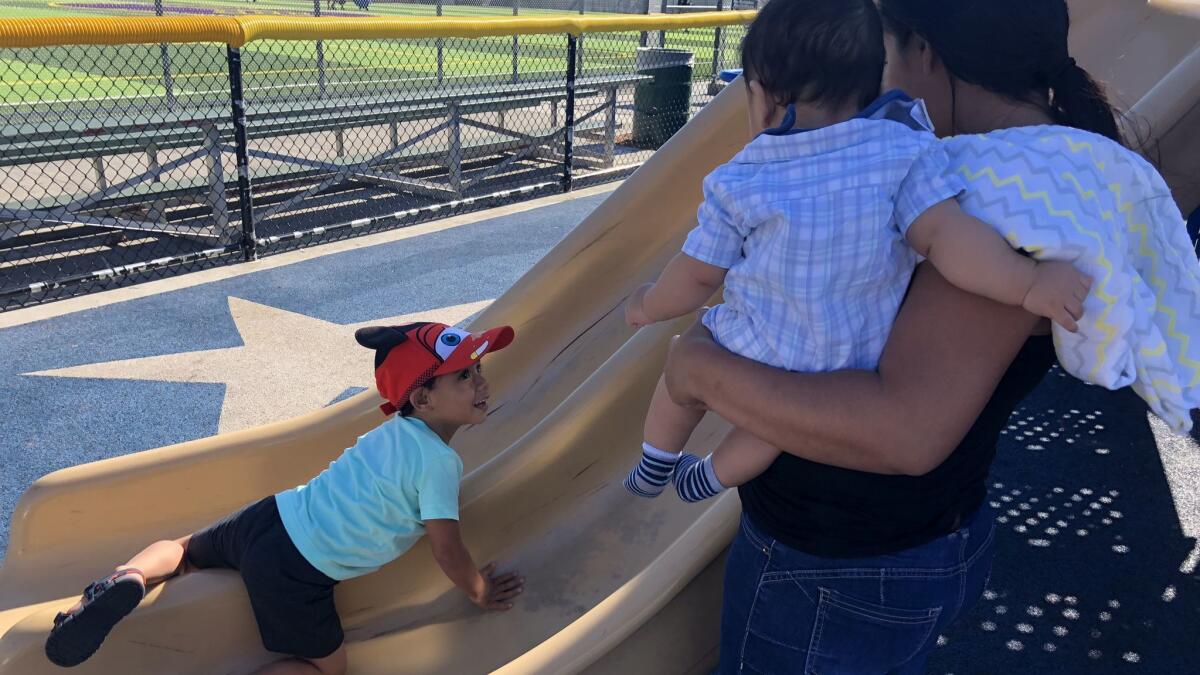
{"points": [[947, 352]]}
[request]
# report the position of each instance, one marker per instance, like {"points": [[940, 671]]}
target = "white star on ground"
{"points": [[288, 363]]}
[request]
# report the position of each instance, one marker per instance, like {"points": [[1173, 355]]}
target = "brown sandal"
{"points": [[78, 634]]}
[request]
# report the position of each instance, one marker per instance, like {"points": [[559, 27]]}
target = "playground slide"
{"points": [[614, 584]]}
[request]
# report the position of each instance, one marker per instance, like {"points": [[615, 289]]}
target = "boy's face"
{"points": [[458, 398]]}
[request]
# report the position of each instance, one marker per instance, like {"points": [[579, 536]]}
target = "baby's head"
{"points": [[432, 371], [824, 54]]}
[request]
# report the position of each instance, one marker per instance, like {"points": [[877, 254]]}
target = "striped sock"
{"points": [[653, 473], [695, 479]]}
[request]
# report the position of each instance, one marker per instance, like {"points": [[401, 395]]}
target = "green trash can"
{"points": [[660, 106]]}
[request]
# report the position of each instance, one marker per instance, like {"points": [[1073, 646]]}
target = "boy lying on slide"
{"points": [[399, 481]]}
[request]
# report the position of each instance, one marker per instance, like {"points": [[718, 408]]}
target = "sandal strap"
{"points": [[128, 571], [101, 585]]}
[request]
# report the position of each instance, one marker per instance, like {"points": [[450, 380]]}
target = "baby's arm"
{"points": [[685, 285], [486, 589], [974, 257], [723, 222]]}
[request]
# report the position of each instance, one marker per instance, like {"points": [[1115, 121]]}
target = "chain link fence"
{"points": [[120, 164]]}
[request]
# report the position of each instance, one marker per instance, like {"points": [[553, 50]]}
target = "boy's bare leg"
{"points": [[160, 561], [668, 427], [79, 632], [740, 457], [334, 664], [156, 563]]}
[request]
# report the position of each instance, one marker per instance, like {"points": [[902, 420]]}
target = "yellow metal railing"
{"points": [[239, 30]]}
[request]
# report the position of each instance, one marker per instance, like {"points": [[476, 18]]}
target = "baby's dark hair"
{"points": [[825, 52]]}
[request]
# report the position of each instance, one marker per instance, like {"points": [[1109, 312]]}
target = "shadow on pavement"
{"points": [[1089, 546]]}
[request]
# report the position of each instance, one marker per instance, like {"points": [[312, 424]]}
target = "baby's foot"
{"points": [[79, 632], [650, 477], [695, 479]]}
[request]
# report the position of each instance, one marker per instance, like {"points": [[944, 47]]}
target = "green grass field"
{"points": [[198, 72]]}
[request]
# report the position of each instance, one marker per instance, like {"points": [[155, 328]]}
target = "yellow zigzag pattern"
{"points": [[1077, 148], [1109, 330], [1107, 215], [1161, 347], [1160, 286], [1156, 351], [1148, 393], [1142, 390]]}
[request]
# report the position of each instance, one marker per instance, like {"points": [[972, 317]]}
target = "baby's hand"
{"points": [[635, 315], [498, 589], [1058, 292]]}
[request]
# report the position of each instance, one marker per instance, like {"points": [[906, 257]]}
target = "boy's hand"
{"points": [[1058, 292], [635, 314], [498, 589]]}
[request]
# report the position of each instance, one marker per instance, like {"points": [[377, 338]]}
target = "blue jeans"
{"points": [[789, 612]]}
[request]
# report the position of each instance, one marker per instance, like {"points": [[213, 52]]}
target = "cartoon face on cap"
{"points": [[448, 341], [408, 356], [441, 340]]}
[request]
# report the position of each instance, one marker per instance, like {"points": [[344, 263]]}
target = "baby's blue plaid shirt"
{"points": [[810, 225]]}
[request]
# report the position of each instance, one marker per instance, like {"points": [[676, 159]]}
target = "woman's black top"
{"points": [[832, 512]]}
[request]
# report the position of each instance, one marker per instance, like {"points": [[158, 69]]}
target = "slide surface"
{"points": [[614, 583]]}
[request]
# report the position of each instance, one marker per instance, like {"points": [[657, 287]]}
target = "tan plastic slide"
{"points": [[614, 584]]}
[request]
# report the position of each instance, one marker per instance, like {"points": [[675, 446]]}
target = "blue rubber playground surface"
{"points": [[1097, 505], [243, 351]]}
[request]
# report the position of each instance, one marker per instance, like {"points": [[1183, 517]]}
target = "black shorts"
{"points": [[292, 600]]}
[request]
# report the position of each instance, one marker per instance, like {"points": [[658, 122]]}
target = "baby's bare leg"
{"points": [[668, 427], [668, 424], [741, 457]]}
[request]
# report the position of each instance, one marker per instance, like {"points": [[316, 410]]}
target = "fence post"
{"points": [[168, 81], [320, 54], [454, 131], [662, 34], [579, 40], [717, 45], [238, 112], [644, 37], [569, 136], [441, 43], [216, 182], [516, 44]]}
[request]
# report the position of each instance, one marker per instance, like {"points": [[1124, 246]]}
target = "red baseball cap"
{"points": [[407, 357]]}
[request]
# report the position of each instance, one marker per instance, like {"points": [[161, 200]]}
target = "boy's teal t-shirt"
{"points": [[370, 505]]}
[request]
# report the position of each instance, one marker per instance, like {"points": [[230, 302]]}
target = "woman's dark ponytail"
{"points": [[1077, 100], [1015, 48]]}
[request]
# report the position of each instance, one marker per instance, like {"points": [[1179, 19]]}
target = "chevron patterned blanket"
{"points": [[1065, 194]]}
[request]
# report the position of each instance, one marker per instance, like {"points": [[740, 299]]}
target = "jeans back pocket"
{"points": [[851, 635]]}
